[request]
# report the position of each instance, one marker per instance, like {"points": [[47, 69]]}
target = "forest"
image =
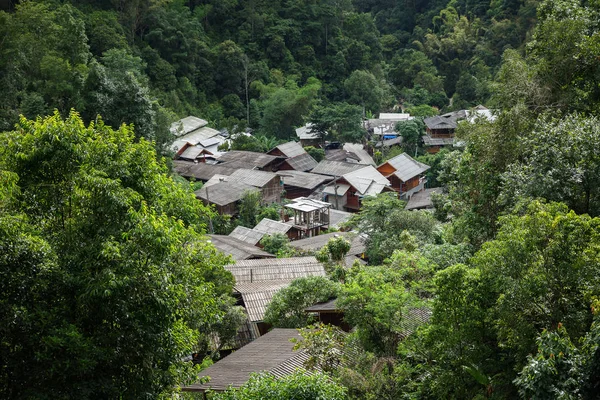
{"points": [[107, 284]]}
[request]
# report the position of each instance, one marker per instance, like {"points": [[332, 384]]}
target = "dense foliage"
{"points": [[106, 283]]}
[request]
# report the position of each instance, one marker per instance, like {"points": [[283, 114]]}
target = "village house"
{"points": [[313, 244], [406, 175], [336, 168], [296, 158], [347, 191], [310, 217], [191, 130], [307, 137], [250, 160], [301, 184], [224, 194], [237, 249], [422, 200]]}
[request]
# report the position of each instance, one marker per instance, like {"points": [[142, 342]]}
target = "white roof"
{"points": [[341, 189], [305, 133], [367, 180], [472, 115], [187, 125], [394, 116], [194, 137], [307, 205], [407, 167]]}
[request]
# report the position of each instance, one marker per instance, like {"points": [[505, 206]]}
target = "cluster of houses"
{"points": [[315, 196]]}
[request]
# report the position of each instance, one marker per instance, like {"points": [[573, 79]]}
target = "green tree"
{"points": [[316, 153], [286, 310], [365, 90], [277, 243], [338, 121], [249, 209], [295, 386], [95, 228]]}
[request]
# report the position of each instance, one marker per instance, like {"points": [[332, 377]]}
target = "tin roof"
{"points": [[269, 227], [238, 249], [442, 122], [315, 243], [272, 353], [406, 167], [290, 149], [328, 306], [187, 125], [258, 295], [341, 189], [306, 205], [248, 159], [431, 141], [305, 180], [302, 162], [200, 171], [252, 177], [335, 168], [367, 180], [275, 269], [247, 235], [422, 199], [304, 133], [223, 193]]}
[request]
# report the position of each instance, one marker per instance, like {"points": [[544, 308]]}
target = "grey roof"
{"points": [[248, 159], [341, 155], [431, 141], [269, 227], [252, 177], [367, 181], [272, 353], [305, 180], [291, 149], [422, 199], [315, 243], [187, 125], [302, 162], [223, 193], [335, 168], [305, 204], [304, 133], [337, 217], [328, 306], [339, 189], [442, 122], [393, 142], [360, 151], [194, 137], [406, 167], [211, 141], [275, 269], [238, 249], [191, 153], [247, 235], [258, 295], [200, 171], [395, 116]]}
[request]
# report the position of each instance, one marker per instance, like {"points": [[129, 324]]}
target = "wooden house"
{"points": [[347, 191], [250, 160], [406, 175], [270, 184], [296, 158], [224, 195], [301, 184], [307, 137]]}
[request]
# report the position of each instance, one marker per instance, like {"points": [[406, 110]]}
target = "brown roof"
{"points": [[271, 353], [238, 249]]}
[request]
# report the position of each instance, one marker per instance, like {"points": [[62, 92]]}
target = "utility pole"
{"points": [[336, 192], [210, 225]]}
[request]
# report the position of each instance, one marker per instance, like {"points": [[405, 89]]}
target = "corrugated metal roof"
{"points": [[438, 122], [223, 193], [272, 353], [247, 235], [191, 153], [315, 243], [194, 137], [341, 189], [248, 159], [406, 167], [302, 162], [341, 155], [422, 199], [360, 151], [269, 226], [430, 141], [200, 171], [187, 125], [335, 168], [304, 133], [253, 177], [238, 249], [367, 180], [337, 217], [305, 180], [275, 269], [291, 149], [394, 116], [326, 306], [258, 295]]}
